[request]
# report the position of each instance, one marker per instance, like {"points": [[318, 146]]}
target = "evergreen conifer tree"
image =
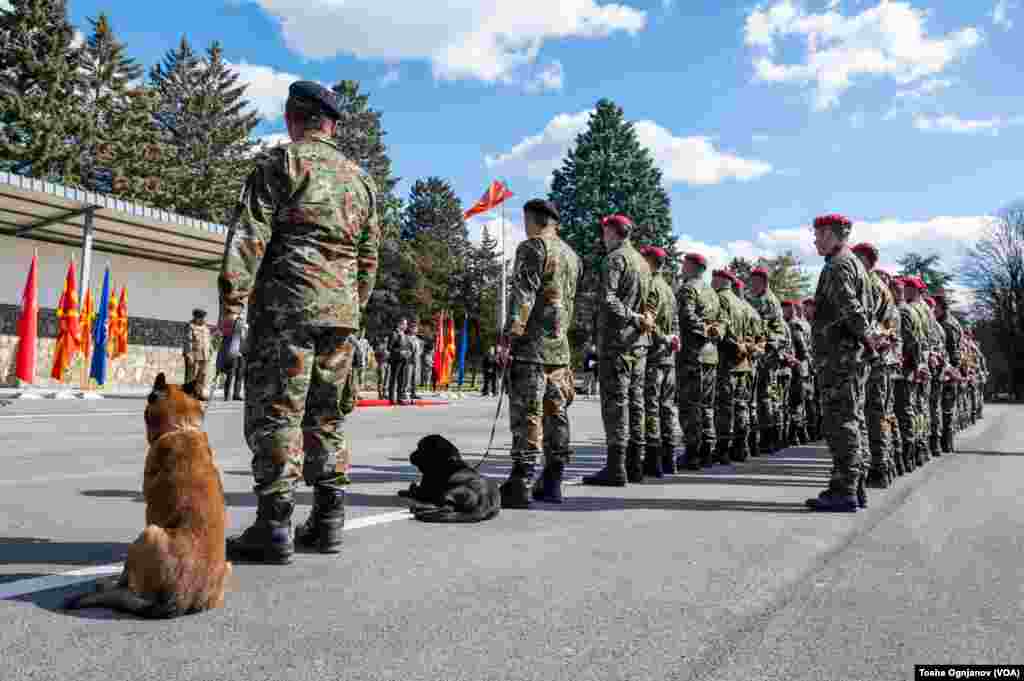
{"points": [[360, 135], [40, 91]]}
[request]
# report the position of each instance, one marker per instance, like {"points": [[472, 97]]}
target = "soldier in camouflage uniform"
{"points": [[735, 369], [842, 330], [541, 386], [907, 381], [954, 341], [623, 331], [746, 413], [801, 391], [814, 404], [878, 393], [773, 372], [940, 362], [196, 352], [660, 409], [891, 347], [700, 327], [915, 297], [303, 253]]}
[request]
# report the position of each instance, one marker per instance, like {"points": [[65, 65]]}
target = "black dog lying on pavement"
{"points": [[450, 491]]}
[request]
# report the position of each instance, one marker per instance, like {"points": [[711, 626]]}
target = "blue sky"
{"points": [[906, 116]]}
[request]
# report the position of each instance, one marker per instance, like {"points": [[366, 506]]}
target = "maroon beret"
{"points": [[832, 220], [760, 271], [696, 258], [867, 249]]}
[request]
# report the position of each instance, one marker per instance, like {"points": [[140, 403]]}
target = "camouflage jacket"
{"points": [[938, 335], [699, 310], [842, 309], [542, 300], [736, 347], [912, 337], [197, 342], [801, 332], [769, 309], [661, 304], [625, 283], [304, 243], [929, 341], [782, 367], [954, 335]]}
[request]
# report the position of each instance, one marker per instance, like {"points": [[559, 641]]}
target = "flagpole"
{"points": [[504, 265]]}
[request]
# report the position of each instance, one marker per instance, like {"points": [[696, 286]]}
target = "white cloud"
{"points": [[999, 14], [76, 41], [690, 160], [515, 232], [274, 139], [550, 78], [487, 40], [955, 124], [888, 40], [389, 78], [929, 86], [268, 88]]}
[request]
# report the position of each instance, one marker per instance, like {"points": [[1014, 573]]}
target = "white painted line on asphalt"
{"points": [[64, 579], [137, 412]]}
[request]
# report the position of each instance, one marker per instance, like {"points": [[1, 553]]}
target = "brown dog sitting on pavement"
{"points": [[450, 490], [177, 565]]}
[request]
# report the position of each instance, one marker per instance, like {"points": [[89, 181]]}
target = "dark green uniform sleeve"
{"points": [[851, 311], [369, 247], [689, 322], [615, 268], [526, 282], [250, 234], [954, 334]]}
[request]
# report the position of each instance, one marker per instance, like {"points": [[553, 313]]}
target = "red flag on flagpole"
{"points": [[492, 198], [438, 344], [69, 332], [28, 326]]}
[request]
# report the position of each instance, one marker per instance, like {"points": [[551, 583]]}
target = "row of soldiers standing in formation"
{"points": [[402, 364], [739, 374]]}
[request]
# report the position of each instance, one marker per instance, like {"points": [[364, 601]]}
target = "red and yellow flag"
{"points": [[112, 324], [449, 350], [121, 330], [439, 349], [492, 198], [69, 331], [85, 319]]}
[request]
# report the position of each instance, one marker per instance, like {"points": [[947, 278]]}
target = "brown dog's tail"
{"points": [[123, 599]]}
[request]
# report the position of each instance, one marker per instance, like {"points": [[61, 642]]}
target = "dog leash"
{"points": [[497, 415]]}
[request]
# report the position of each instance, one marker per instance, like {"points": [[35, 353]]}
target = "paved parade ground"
{"points": [[721, 574]]}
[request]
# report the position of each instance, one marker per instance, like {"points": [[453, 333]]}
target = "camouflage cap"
{"points": [[310, 93]]}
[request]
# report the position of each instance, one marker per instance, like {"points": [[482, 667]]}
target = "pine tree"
{"points": [[40, 91], [137, 154], [360, 135], [926, 267], [608, 171], [786, 276], [203, 113], [434, 209], [107, 75]]}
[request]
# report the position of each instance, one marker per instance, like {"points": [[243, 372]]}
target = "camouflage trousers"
{"points": [[801, 393], [924, 392], [935, 408], [905, 399], [299, 390], [697, 385], [735, 391], [622, 397], [949, 406], [198, 370], [539, 397], [784, 381], [878, 404], [768, 397], [660, 412], [842, 418]]}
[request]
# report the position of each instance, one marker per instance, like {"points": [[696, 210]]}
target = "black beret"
{"points": [[542, 206], [317, 94], [198, 312]]}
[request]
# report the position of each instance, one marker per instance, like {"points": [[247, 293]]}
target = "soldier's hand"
{"points": [[676, 344], [713, 332]]}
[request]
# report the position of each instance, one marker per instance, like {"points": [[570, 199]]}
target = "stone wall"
{"points": [[154, 346]]}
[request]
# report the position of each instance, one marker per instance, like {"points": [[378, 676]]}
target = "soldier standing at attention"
{"points": [[892, 357], [399, 354], [954, 339], [623, 330], [733, 353], [842, 330], [770, 387], [939, 369], [535, 340], [906, 383], [660, 408], [380, 353], [745, 440], [814, 405], [914, 292], [197, 352], [308, 216], [700, 327], [800, 391], [878, 391]]}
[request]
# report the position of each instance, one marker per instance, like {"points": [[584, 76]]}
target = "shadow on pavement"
{"points": [[303, 497], [979, 453], [39, 550]]}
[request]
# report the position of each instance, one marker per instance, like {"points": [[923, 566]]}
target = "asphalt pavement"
{"points": [[718, 575]]}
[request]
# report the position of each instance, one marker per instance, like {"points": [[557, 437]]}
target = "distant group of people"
{"points": [[228, 362], [403, 365]]}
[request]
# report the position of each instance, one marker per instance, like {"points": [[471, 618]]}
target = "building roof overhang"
{"points": [[44, 211]]}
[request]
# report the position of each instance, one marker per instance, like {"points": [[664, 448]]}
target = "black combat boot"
{"points": [[741, 446], [832, 501], [515, 492], [668, 460], [322, 530], [690, 460], [753, 439], [862, 494], [947, 439], [897, 462], [722, 451], [878, 477], [548, 487], [909, 460], [634, 462], [652, 460], [921, 454], [767, 440], [707, 454], [614, 472], [269, 539], [933, 444]]}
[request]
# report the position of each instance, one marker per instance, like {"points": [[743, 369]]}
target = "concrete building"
{"points": [[169, 264]]}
